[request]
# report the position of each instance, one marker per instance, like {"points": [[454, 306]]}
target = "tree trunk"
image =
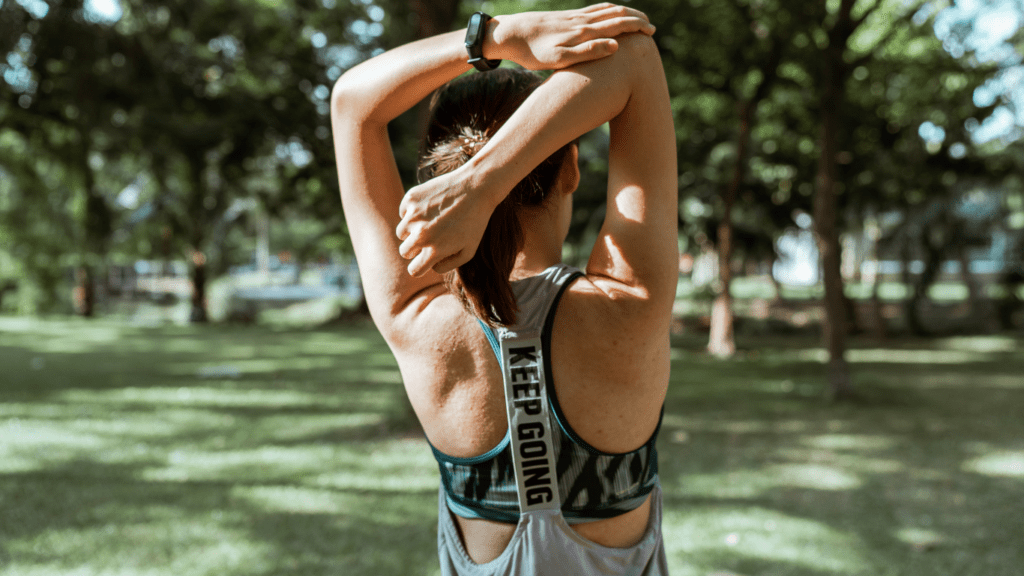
{"points": [[198, 313], [98, 227], [933, 257], [879, 325], [974, 299], [834, 325], [874, 234], [721, 342], [84, 295], [779, 296], [1011, 280], [913, 287], [5, 287]]}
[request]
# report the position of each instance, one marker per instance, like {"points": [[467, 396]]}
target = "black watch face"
{"points": [[474, 27]]}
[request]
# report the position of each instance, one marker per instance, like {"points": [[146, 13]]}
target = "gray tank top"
{"points": [[543, 543]]}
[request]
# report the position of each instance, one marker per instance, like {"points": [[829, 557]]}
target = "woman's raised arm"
{"points": [[375, 92], [636, 250]]}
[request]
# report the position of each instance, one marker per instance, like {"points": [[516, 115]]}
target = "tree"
{"points": [[69, 113], [199, 97]]}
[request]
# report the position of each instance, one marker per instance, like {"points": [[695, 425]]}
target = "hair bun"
{"points": [[470, 142]]}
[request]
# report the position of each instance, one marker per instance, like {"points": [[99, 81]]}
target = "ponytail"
{"points": [[464, 115]]}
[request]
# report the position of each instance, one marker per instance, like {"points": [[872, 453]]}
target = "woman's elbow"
{"points": [[344, 97]]}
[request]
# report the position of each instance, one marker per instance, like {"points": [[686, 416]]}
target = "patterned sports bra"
{"points": [[594, 485]]}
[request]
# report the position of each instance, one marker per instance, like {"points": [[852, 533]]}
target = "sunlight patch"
{"points": [[198, 395], [296, 500], [92, 332], [411, 481], [848, 461], [1009, 463], [702, 536], [977, 381], [919, 538], [885, 355], [811, 355], [27, 445], [756, 483], [183, 545], [258, 365], [816, 477], [850, 442], [692, 424], [981, 343], [300, 427], [240, 465], [401, 466]]}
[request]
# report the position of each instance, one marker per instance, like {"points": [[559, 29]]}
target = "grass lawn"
{"points": [[254, 451]]}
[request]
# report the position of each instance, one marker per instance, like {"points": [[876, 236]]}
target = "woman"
{"points": [[553, 471]]}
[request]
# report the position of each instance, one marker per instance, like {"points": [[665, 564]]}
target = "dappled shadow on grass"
{"points": [[923, 476], [226, 450], [93, 518], [213, 450]]}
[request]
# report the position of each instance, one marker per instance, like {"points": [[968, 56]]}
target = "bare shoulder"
{"points": [[432, 335], [611, 361], [451, 376], [615, 336], [606, 304]]}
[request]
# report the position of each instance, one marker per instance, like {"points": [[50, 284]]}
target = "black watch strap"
{"points": [[475, 33]]}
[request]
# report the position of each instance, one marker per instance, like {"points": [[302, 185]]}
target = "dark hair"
{"points": [[464, 115]]}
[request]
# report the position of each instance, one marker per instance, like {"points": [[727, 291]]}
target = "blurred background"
{"points": [[191, 383]]}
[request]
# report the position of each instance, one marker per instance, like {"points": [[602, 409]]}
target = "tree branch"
{"points": [[770, 71], [896, 27], [858, 21]]}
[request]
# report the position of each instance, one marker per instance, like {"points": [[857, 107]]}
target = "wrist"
{"points": [[485, 177], [496, 38]]}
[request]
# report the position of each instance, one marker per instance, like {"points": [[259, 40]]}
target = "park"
{"points": [[234, 450], [191, 382]]}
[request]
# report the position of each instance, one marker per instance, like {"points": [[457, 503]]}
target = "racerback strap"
{"points": [[526, 400], [526, 389]]}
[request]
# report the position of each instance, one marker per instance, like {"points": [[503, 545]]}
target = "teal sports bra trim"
{"points": [[491, 338], [594, 484], [492, 453]]}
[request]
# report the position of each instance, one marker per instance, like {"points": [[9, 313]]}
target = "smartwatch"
{"points": [[475, 32]]}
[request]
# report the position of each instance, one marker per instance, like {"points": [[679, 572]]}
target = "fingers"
{"points": [[610, 20], [618, 26], [403, 231], [608, 10], [591, 50], [422, 263], [448, 264], [426, 258], [409, 247], [599, 7]]}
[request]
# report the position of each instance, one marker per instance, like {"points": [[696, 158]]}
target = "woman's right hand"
{"points": [[443, 221], [559, 39]]}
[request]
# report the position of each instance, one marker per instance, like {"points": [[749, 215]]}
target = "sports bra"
{"points": [[594, 485]]}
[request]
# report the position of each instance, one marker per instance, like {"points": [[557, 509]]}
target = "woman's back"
{"points": [[609, 339], [609, 375], [610, 365]]}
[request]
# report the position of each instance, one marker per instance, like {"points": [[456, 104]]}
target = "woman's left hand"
{"points": [[559, 39]]}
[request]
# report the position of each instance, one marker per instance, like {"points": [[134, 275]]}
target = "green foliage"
{"points": [[193, 107], [187, 107]]}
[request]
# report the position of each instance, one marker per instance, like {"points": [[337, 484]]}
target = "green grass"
{"points": [[254, 451], [751, 287]]}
